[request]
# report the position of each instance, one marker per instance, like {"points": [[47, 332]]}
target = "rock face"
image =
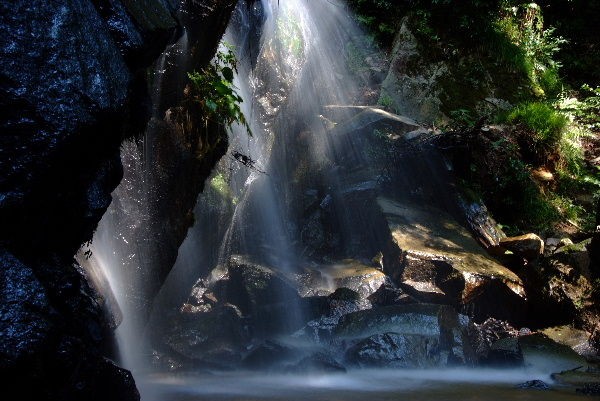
{"points": [[440, 262], [562, 288], [72, 85], [215, 337], [406, 336]]}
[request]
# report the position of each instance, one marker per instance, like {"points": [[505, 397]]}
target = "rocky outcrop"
{"points": [[213, 338], [441, 262], [419, 336], [562, 288], [72, 86]]}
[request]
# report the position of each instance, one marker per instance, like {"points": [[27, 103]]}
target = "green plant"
{"points": [[587, 110], [213, 90], [462, 117], [542, 120], [525, 44]]}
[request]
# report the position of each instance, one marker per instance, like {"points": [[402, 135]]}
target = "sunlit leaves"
{"points": [[213, 90]]}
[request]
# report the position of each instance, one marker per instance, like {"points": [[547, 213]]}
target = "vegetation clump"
{"points": [[212, 88]]}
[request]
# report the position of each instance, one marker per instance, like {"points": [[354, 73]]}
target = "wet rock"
{"points": [[439, 261], [325, 312], [269, 354], [25, 312], [529, 246], [201, 298], [313, 233], [265, 297], [483, 226], [483, 335], [122, 385], [577, 340], [541, 352], [562, 289], [252, 286], [318, 362], [389, 295], [504, 353], [318, 331], [435, 323], [534, 385], [215, 337], [393, 350]]}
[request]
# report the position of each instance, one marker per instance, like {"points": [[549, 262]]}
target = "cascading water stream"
{"points": [[295, 197], [114, 256], [288, 71]]}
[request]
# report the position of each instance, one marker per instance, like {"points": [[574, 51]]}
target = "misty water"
{"points": [[375, 385], [297, 73]]}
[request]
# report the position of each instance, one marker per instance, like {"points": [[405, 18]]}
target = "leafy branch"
{"points": [[213, 90]]}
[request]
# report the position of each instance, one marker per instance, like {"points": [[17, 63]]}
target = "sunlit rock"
{"points": [[348, 273], [441, 262], [529, 246], [542, 353], [577, 340]]}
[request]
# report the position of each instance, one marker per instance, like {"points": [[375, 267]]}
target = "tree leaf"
{"points": [[227, 73]]}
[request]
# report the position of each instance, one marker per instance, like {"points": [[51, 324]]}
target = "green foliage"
{"points": [[462, 118], [290, 34], [219, 184], [524, 43], [379, 17], [386, 102], [586, 110], [545, 123], [213, 90], [523, 203]]}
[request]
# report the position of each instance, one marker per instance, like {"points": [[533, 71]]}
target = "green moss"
{"points": [[220, 185]]}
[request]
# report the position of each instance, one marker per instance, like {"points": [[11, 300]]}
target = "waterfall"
{"points": [[118, 250], [292, 63]]}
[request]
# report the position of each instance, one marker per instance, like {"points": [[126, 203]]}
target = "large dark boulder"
{"points": [[215, 338], [25, 312], [54, 335], [72, 86], [394, 350], [423, 335]]}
